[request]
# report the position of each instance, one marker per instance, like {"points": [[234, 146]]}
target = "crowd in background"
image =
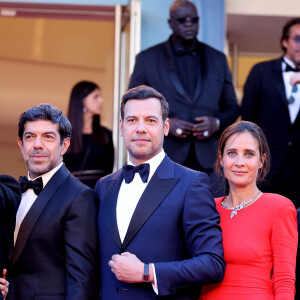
{"points": [[159, 227]]}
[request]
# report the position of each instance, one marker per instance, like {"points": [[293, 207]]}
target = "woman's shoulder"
{"points": [[276, 200], [219, 200]]}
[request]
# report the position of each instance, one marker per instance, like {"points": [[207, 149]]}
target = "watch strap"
{"points": [[146, 275]]}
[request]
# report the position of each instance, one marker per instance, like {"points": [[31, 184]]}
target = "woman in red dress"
{"points": [[259, 229]]}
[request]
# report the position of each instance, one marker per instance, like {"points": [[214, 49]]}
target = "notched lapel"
{"points": [[109, 208], [279, 82], [154, 194], [36, 209]]}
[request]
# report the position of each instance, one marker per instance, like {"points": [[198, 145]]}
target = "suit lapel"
{"points": [[160, 185], [203, 72], [171, 69], [109, 206], [36, 209], [279, 83]]}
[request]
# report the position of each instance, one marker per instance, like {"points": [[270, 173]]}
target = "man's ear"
{"points": [[170, 22], [20, 143], [121, 127], [65, 145], [166, 126]]}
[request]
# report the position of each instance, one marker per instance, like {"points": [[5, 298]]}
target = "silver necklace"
{"points": [[240, 206]]}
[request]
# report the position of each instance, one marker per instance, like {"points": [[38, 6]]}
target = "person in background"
{"points": [[196, 81], [272, 101], [91, 152], [10, 196], [259, 229]]}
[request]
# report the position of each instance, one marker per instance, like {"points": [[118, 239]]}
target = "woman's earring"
{"points": [[84, 109]]}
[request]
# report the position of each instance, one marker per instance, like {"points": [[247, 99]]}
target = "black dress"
{"points": [[95, 161]]}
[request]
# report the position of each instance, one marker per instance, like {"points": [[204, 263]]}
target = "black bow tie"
{"points": [[36, 185], [129, 171], [288, 68], [182, 51]]}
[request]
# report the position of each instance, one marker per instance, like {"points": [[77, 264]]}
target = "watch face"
{"points": [[146, 277]]}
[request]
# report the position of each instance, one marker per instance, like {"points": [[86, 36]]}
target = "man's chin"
{"points": [[38, 170]]}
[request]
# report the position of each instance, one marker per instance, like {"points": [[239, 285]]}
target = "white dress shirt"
{"points": [[129, 196], [294, 107], [28, 199]]}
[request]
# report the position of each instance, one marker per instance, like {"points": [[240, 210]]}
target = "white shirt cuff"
{"points": [[154, 284]]}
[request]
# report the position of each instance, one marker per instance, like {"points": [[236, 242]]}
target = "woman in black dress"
{"points": [[91, 152]]}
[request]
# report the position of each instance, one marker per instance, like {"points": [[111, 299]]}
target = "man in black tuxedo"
{"points": [[272, 100], [55, 253], [196, 82], [10, 196]]}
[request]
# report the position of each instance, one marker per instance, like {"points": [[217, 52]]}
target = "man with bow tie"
{"points": [[272, 100], [55, 238], [196, 81], [158, 227]]}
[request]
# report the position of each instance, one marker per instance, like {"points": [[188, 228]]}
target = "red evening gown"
{"points": [[260, 246]]}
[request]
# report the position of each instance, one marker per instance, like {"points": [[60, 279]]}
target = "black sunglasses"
{"points": [[184, 20]]}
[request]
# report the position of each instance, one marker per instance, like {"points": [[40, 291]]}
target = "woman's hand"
{"points": [[4, 284]]}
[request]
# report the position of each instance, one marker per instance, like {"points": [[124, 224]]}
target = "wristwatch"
{"points": [[146, 275]]}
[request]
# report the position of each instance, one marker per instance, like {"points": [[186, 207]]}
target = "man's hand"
{"points": [[180, 128], [205, 127], [295, 79], [4, 284], [127, 267]]}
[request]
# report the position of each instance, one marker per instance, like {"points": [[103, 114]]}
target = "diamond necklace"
{"points": [[240, 206]]}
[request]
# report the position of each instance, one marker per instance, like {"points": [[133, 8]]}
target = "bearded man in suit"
{"points": [[55, 252], [159, 231], [196, 81], [272, 100]]}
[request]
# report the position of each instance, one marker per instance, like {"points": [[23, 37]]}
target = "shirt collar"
{"points": [[47, 176], [288, 62], [154, 162]]}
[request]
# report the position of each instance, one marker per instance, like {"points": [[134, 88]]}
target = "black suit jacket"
{"points": [[55, 255], [10, 196], [265, 103], [214, 95]]}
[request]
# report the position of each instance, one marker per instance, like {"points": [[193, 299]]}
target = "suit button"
{"points": [[290, 143], [117, 289]]}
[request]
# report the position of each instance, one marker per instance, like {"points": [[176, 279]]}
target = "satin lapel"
{"points": [[157, 190], [109, 207], [203, 73], [172, 72], [278, 82], [36, 209]]}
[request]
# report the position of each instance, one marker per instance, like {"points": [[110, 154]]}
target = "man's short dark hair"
{"points": [[286, 31], [46, 112], [144, 92]]}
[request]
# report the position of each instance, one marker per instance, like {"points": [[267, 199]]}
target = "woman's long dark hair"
{"points": [[75, 115]]}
